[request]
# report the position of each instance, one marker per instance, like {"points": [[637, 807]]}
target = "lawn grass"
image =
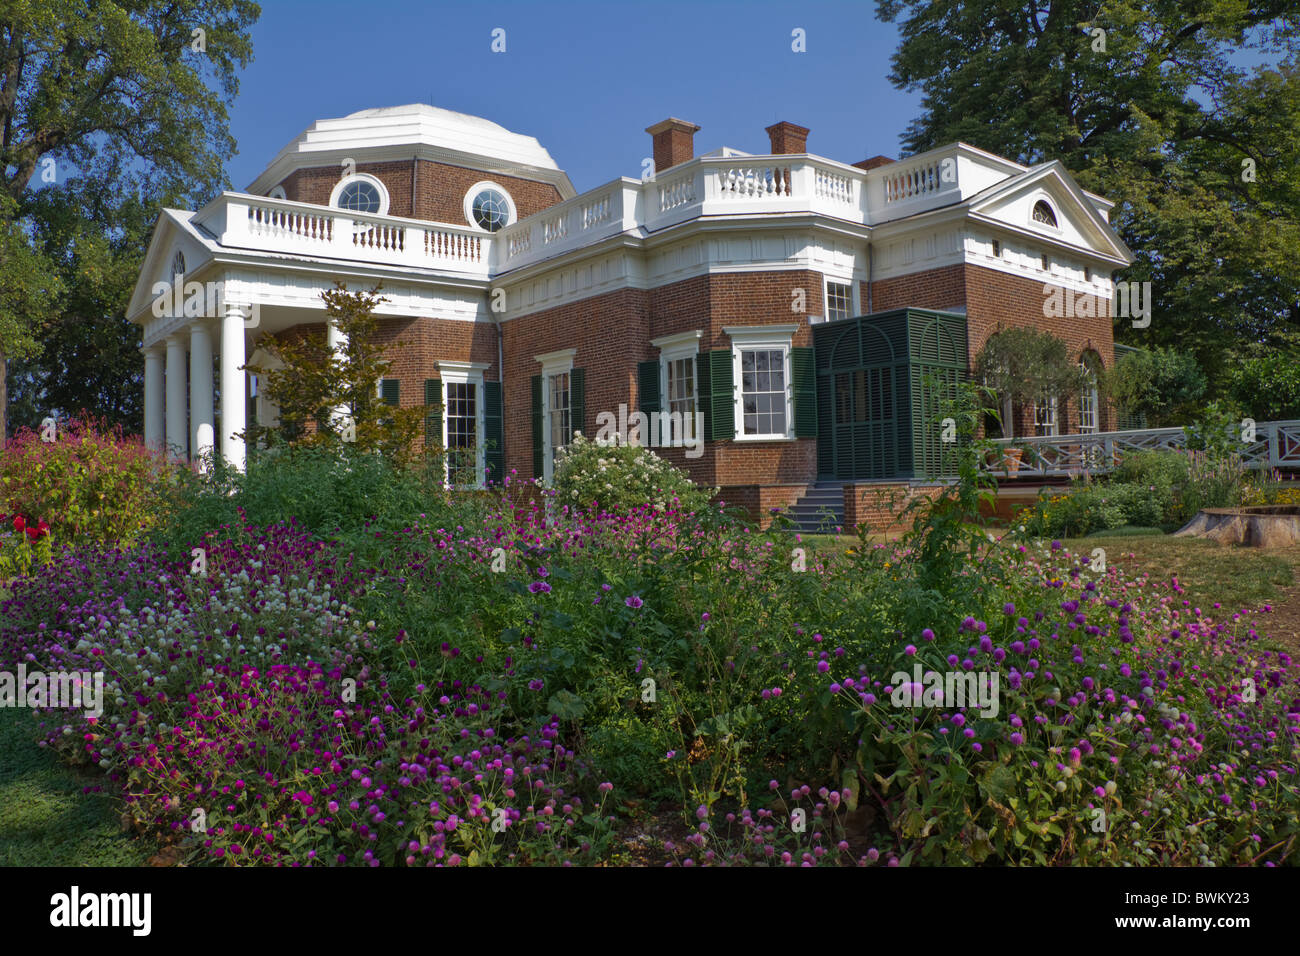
{"points": [[46, 818], [1209, 573]]}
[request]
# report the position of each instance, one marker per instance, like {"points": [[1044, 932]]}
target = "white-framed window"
{"points": [[839, 300], [361, 193], [1089, 402], [1044, 214], [277, 192], [178, 264], [489, 207], [462, 422], [1045, 416], [760, 355], [557, 406], [678, 382]]}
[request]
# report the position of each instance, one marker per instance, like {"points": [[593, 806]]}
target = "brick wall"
{"points": [[880, 505], [439, 189], [612, 333]]}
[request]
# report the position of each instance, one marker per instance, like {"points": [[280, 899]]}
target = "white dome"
{"points": [[416, 124]]}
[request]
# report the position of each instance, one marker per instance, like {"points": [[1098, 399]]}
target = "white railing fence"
{"points": [[1275, 445]]}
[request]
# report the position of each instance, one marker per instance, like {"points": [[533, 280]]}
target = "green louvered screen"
{"points": [[647, 386], [539, 444], [390, 391], [577, 402], [433, 413], [803, 371], [881, 383], [494, 437]]}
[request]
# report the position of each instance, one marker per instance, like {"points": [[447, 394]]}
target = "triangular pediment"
{"points": [[1076, 218]]}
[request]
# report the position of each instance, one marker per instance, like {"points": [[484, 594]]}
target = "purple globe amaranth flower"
{"points": [[633, 601]]}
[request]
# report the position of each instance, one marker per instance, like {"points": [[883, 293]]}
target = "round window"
{"points": [[359, 196], [491, 209]]}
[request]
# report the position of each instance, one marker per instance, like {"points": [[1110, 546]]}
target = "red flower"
{"points": [[19, 523], [42, 528]]}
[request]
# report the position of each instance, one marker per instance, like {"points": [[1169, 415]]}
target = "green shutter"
{"points": [[577, 401], [538, 444], [804, 372], [703, 391], [720, 403], [647, 386], [390, 390], [494, 455], [433, 414]]}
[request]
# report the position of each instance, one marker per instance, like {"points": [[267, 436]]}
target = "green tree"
{"points": [[128, 94], [329, 397], [1025, 365], [1164, 385], [96, 239], [1201, 153]]}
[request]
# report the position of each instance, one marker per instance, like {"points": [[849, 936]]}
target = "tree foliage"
{"points": [[328, 396], [1025, 365], [1161, 384], [128, 96], [1160, 113]]}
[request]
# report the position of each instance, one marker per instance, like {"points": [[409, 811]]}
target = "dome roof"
{"points": [[471, 139]]}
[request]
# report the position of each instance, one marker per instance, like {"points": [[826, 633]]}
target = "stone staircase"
{"points": [[821, 509]]}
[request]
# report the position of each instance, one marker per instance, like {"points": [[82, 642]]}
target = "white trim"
{"points": [[363, 177], [277, 192], [467, 204], [558, 361], [759, 337], [679, 340]]}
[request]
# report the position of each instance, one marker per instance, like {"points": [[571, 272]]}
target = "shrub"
{"points": [[1160, 384], [619, 478], [93, 484], [1214, 481], [1153, 468], [337, 492]]}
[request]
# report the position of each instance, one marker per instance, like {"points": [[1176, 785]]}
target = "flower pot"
{"points": [[1011, 460]]}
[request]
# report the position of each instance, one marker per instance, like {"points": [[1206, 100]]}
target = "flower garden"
{"points": [[332, 661]]}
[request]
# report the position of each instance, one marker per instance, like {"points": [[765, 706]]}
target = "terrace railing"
{"points": [[1276, 445]]}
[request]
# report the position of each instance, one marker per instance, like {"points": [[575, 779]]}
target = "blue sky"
{"points": [[585, 78]]}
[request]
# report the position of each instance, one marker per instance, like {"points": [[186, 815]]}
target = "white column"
{"points": [[177, 413], [153, 398], [234, 384], [201, 412], [337, 341]]}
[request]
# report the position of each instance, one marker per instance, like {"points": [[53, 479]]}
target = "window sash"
{"points": [[1045, 417], [558, 412], [839, 300], [679, 378], [764, 392]]}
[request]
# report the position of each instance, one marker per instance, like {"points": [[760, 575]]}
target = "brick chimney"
{"points": [[874, 162], [674, 142], [788, 138]]}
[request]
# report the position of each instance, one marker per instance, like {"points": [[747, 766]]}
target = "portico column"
{"points": [[153, 398], [234, 384], [177, 413], [201, 415], [337, 342]]}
